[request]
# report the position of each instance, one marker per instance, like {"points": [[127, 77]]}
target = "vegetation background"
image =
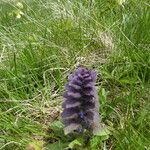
{"points": [[43, 41]]}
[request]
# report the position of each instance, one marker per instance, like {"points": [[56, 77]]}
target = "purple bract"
{"points": [[81, 106]]}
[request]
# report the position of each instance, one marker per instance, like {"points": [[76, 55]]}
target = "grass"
{"points": [[42, 42]]}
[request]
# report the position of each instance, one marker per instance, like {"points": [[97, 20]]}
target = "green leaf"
{"points": [[57, 125], [59, 145], [103, 133], [75, 143], [95, 142], [57, 128], [103, 96]]}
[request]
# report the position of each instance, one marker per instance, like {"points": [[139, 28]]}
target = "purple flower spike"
{"points": [[81, 106]]}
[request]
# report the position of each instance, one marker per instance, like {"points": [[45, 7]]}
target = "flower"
{"points": [[81, 106], [19, 5], [19, 13]]}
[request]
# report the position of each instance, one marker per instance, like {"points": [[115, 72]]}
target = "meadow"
{"points": [[43, 41]]}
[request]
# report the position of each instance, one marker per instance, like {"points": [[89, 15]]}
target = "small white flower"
{"points": [[19, 14], [20, 5], [120, 2]]}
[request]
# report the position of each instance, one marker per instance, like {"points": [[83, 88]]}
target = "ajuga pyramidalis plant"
{"points": [[81, 106]]}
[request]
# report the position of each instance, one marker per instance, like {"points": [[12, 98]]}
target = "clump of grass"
{"points": [[41, 42]]}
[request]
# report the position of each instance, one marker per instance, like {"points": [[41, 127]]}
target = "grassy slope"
{"points": [[40, 49]]}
